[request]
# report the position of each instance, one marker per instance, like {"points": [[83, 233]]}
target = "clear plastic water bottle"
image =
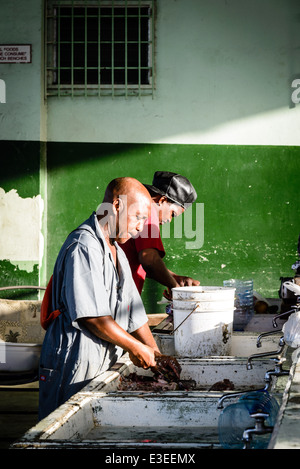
{"points": [[243, 303], [236, 418]]}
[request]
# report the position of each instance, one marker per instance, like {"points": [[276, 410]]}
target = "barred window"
{"points": [[100, 48]]}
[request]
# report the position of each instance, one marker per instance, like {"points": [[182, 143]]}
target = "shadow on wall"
{"points": [[20, 166]]}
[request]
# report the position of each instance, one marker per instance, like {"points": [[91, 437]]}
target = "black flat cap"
{"points": [[175, 187]]}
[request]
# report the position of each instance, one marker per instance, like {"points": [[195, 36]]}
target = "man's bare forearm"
{"points": [[107, 329], [144, 335], [155, 268]]}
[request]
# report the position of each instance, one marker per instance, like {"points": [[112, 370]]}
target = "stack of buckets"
{"points": [[244, 307], [203, 320]]}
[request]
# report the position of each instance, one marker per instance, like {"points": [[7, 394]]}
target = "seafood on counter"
{"points": [[167, 367], [225, 385], [166, 377]]}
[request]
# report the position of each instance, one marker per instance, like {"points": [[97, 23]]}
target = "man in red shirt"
{"points": [[171, 195]]}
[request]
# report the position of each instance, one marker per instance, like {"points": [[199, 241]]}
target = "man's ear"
{"points": [[161, 199], [117, 204]]}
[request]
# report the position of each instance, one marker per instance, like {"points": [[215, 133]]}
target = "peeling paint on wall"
{"points": [[20, 227]]}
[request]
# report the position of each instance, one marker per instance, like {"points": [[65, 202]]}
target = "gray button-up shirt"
{"points": [[86, 283]]}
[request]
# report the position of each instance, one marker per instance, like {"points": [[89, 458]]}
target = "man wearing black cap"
{"points": [[171, 195]]}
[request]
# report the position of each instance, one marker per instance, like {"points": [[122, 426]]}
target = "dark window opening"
{"points": [[100, 48]]}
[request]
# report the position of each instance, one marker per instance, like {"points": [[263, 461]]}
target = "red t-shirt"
{"points": [[148, 238]]}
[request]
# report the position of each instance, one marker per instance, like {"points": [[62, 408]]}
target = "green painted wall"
{"points": [[20, 166], [250, 196]]}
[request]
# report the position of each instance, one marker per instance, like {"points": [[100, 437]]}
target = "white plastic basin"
{"points": [[16, 357]]}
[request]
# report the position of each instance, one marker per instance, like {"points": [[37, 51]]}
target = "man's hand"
{"points": [[143, 356], [182, 281]]}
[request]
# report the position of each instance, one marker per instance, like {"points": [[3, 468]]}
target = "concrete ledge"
{"points": [[286, 434]]}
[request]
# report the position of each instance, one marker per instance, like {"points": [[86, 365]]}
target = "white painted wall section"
{"points": [[20, 228], [225, 74]]}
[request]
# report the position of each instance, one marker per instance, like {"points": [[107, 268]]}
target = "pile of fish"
{"points": [[166, 377]]}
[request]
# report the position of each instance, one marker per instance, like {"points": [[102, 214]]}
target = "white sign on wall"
{"points": [[15, 54], [2, 91]]}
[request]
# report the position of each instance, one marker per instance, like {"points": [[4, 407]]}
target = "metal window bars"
{"points": [[100, 48]]}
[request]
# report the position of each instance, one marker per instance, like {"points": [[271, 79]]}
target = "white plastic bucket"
{"points": [[202, 293], [203, 305], [207, 330]]}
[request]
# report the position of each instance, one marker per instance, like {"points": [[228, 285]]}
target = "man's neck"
{"points": [[105, 229], [109, 241]]}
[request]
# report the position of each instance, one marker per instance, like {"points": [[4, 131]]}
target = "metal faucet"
{"points": [[230, 395], [278, 371], [260, 428], [265, 334], [266, 354], [294, 309]]}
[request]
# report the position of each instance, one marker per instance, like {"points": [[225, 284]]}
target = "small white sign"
{"points": [[2, 91], [14, 54]]}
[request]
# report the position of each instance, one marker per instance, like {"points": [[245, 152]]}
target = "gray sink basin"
{"points": [[103, 416]]}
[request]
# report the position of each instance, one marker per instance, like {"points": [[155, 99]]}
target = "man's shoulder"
{"points": [[84, 236]]}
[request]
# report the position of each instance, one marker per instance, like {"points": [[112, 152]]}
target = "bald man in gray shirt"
{"points": [[101, 312]]}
